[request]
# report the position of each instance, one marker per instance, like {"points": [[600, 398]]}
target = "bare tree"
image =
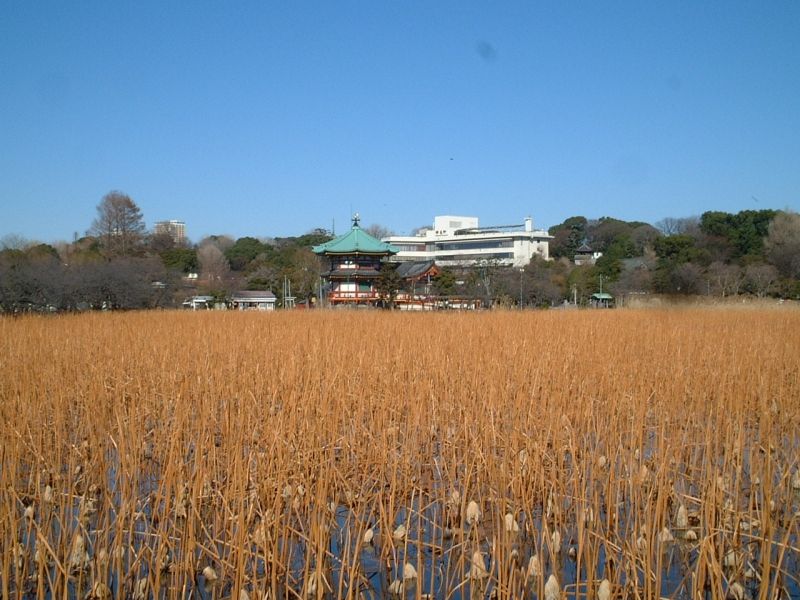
{"points": [[760, 279], [782, 244], [726, 280], [13, 241], [379, 231], [686, 278], [119, 224], [633, 281], [223, 242], [673, 226], [213, 264]]}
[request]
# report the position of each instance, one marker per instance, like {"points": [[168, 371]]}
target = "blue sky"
{"points": [[273, 118]]}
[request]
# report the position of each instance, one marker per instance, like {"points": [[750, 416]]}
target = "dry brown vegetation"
{"points": [[636, 454]]}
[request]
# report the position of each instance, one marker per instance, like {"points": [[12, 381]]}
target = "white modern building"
{"points": [[174, 229], [461, 241]]}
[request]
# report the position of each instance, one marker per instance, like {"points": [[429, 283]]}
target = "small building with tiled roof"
{"points": [[416, 280], [417, 270], [354, 266], [253, 300], [584, 255]]}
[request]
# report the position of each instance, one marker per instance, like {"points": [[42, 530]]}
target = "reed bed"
{"points": [[602, 454]]}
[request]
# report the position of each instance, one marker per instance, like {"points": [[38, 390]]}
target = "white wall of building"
{"points": [[509, 246]]}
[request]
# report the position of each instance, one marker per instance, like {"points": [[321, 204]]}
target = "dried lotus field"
{"points": [[556, 454]]}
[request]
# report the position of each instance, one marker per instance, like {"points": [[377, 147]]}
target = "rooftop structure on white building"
{"points": [[462, 242], [175, 229]]}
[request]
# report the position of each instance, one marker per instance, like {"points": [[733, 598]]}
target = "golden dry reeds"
{"points": [[636, 454]]}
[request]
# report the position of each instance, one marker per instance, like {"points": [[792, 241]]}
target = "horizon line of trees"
{"points": [[716, 254], [119, 264]]}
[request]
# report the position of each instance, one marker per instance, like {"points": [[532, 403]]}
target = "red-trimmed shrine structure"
{"points": [[355, 262]]}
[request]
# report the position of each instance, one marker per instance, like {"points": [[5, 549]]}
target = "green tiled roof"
{"points": [[355, 241]]}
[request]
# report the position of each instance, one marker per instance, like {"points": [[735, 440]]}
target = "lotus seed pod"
{"points": [[534, 568], [140, 589], [736, 591], [511, 523], [604, 590], [409, 572], [396, 588], [555, 540], [78, 558], [552, 591], [478, 567], [210, 575], [665, 536], [399, 533], [682, 519], [101, 559], [473, 514], [100, 591], [19, 556], [602, 461], [691, 536], [369, 535]]}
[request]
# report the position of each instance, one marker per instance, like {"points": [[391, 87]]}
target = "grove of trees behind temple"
{"points": [[119, 264]]}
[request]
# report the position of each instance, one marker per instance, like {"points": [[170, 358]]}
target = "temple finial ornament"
{"points": [[356, 220]]}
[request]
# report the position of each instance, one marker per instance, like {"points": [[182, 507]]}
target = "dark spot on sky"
{"points": [[674, 83], [486, 51]]}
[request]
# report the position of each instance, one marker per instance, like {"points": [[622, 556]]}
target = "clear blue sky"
{"points": [[272, 118]]}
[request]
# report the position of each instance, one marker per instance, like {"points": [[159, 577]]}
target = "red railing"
{"points": [[353, 296]]}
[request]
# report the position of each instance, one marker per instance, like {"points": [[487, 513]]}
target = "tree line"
{"points": [[119, 264], [753, 252]]}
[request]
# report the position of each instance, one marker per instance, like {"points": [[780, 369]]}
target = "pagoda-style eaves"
{"points": [[355, 262], [355, 242]]}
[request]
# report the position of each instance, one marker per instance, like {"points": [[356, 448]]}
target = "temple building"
{"points": [[355, 261]]}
